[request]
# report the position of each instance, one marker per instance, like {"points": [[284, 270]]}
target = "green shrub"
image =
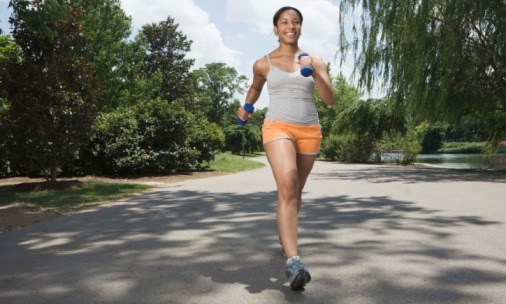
{"points": [[358, 128], [249, 135], [348, 148], [432, 140], [207, 138], [331, 146], [151, 138], [462, 147], [251, 132], [403, 147], [411, 143]]}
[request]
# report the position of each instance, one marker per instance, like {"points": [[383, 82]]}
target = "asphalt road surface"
{"points": [[368, 234]]}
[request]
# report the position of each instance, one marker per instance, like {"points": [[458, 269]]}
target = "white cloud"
{"points": [[238, 32], [320, 27], [257, 13], [207, 46], [247, 27]]}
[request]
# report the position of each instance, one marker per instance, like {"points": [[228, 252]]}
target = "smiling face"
{"points": [[288, 26]]}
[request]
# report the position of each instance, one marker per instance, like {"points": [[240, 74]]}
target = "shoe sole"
{"points": [[300, 280]]}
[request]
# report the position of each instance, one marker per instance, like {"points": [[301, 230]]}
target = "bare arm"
{"points": [[321, 78], [260, 70]]}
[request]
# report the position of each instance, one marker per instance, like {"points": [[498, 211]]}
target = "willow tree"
{"points": [[446, 58]]}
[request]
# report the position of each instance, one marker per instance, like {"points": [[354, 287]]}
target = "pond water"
{"points": [[464, 161], [456, 161]]}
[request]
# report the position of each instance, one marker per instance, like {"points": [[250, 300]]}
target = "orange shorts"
{"points": [[307, 139]]}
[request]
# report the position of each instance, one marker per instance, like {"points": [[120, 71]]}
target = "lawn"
{"points": [[73, 194], [230, 163], [77, 196]]}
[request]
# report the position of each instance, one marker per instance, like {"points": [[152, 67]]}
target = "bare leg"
{"points": [[290, 172], [304, 166]]}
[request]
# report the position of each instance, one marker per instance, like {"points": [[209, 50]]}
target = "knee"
{"points": [[289, 190]]}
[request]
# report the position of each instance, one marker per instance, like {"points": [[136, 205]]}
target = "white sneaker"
{"points": [[297, 273]]}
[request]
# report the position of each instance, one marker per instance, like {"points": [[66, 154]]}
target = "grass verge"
{"points": [[80, 196], [231, 163], [77, 195]]}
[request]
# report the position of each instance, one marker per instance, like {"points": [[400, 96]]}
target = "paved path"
{"points": [[369, 234]]}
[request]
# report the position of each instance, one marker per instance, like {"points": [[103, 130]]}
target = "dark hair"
{"points": [[281, 10]]}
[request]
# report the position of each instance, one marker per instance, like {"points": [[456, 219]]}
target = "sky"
{"points": [[238, 32]]}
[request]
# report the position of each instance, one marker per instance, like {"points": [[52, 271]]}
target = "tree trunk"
{"points": [[54, 167]]}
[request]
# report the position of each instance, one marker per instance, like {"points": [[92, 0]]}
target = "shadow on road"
{"points": [[410, 175], [180, 244]]}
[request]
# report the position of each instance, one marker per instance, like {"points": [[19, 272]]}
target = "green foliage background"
{"points": [[80, 95]]}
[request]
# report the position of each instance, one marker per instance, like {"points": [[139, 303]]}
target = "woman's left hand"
{"points": [[306, 61]]}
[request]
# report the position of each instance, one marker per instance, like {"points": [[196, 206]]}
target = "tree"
{"points": [[216, 85], [9, 52], [54, 12], [353, 129], [446, 58], [247, 138], [345, 94], [50, 93], [166, 48], [116, 61]]}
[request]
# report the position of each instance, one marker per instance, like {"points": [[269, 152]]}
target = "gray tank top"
{"points": [[291, 97]]}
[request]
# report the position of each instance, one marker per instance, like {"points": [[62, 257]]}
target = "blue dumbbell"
{"points": [[306, 70], [248, 108]]}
